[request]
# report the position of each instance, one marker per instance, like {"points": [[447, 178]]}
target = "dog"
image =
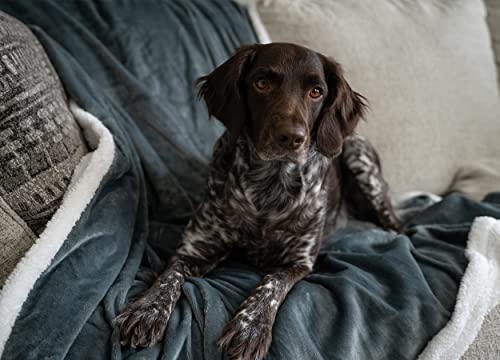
{"points": [[280, 176]]}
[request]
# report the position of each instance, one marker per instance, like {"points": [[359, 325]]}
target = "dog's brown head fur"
{"points": [[287, 97]]}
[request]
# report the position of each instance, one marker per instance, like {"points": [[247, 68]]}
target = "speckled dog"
{"points": [[276, 184]]}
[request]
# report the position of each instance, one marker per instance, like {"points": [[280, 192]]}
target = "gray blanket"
{"points": [[374, 294]]}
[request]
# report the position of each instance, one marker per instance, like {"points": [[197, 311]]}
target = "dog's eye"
{"points": [[316, 92], [262, 84]]}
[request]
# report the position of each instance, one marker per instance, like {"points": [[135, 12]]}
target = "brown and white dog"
{"points": [[278, 178]]}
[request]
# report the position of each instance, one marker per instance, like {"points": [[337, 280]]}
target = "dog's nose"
{"points": [[291, 138]]}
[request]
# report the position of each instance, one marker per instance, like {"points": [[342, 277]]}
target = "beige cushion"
{"points": [[493, 7], [425, 66], [477, 179]]}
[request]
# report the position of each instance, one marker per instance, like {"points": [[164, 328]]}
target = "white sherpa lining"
{"points": [[479, 292], [85, 181]]}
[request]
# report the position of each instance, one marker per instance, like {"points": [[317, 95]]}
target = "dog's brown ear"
{"points": [[341, 111], [223, 90]]}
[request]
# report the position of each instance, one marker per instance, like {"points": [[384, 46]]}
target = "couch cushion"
{"points": [[477, 179], [426, 68], [40, 141]]}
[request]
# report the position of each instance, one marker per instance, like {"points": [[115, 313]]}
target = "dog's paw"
{"points": [[246, 338], [143, 322]]}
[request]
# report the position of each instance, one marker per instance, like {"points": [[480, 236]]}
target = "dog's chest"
{"points": [[273, 210], [272, 201]]}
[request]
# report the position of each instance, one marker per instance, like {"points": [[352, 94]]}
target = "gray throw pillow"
{"points": [[40, 141], [15, 239]]}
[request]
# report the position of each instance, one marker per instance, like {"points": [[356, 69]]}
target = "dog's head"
{"points": [[287, 97]]}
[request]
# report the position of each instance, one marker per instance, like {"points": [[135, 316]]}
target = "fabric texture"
{"points": [[40, 142], [486, 346], [426, 68], [15, 239], [493, 8]]}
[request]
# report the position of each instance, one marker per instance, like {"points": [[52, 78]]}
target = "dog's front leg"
{"points": [[248, 335], [205, 243], [367, 192]]}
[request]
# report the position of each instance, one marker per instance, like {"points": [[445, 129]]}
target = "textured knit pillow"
{"points": [[426, 68], [40, 142]]}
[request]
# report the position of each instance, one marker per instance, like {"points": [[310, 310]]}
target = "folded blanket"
{"points": [[132, 64]]}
